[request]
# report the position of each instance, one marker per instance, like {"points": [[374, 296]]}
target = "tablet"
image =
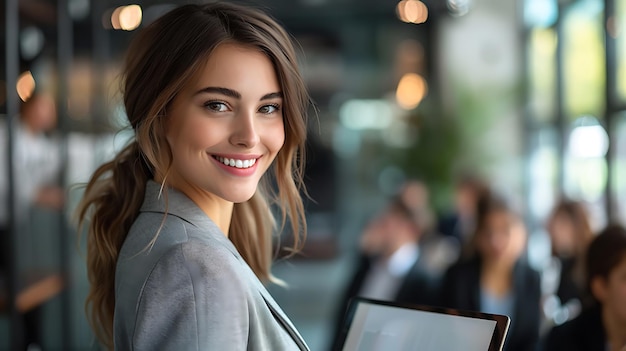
{"points": [[372, 325]]}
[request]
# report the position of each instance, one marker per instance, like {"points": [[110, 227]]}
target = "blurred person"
{"points": [[438, 251], [36, 170], [416, 197], [180, 226], [563, 282], [390, 265], [496, 278], [460, 222], [602, 324], [36, 160]]}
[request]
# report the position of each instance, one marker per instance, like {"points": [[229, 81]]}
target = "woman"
{"points": [[179, 222], [601, 326], [496, 278], [570, 233]]}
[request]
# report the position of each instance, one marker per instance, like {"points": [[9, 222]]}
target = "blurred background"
{"points": [[527, 95]]}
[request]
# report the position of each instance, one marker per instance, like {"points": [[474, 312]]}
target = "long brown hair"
{"points": [[160, 60], [576, 213]]}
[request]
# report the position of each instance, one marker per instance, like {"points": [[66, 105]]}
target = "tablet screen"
{"points": [[376, 326]]}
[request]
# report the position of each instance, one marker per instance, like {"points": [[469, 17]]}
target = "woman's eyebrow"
{"points": [[235, 94], [220, 90], [276, 95]]}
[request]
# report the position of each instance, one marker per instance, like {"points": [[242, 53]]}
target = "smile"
{"points": [[235, 162]]}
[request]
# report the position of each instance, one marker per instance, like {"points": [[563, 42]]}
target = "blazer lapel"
{"points": [[277, 312], [282, 318], [269, 300]]}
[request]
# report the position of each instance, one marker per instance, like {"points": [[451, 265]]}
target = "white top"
{"points": [[36, 162], [385, 278]]}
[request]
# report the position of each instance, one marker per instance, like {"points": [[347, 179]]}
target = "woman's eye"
{"points": [[267, 109], [216, 106]]}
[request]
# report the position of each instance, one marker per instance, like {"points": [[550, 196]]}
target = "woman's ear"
{"points": [[598, 288]]}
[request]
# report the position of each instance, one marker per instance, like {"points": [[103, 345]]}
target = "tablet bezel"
{"points": [[497, 340]]}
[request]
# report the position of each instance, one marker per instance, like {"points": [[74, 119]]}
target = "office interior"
{"points": [[529, 94]]}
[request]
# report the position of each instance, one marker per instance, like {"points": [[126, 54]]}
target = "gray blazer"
{"points": [[192, 290]]}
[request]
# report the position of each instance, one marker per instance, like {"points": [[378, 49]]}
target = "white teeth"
{"points": [[237, 163]]}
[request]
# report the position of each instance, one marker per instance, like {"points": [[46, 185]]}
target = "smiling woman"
{"points": [[180, 228], [230, 112]]}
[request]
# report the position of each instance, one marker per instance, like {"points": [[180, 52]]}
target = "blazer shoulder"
{"points": [[212, 257], [204, 293], [206, 263]]}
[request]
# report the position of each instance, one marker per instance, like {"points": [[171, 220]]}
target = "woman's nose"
{"points": [[245, 133]]}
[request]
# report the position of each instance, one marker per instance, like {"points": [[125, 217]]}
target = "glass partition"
{"points": [[584, 59], [586, 167], [542, 71]]}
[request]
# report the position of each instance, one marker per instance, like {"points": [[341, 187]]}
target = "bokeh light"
{"points": [[588, 141], [365, 114], [411, 90], [31, 42], [412, 11], [130, 17], [123, 18], [459, 7], [25, 85], [115, 18]]}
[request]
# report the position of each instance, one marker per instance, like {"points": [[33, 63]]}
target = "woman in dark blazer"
{"points": [[570, 232], [495, 278]]}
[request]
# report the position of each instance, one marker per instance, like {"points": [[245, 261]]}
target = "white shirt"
{"points": [[36, 162], [386, 276]]}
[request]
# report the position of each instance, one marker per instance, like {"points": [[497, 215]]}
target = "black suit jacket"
{"points": [[450, 225], [460, 289], [583, 333], [568, 289]]}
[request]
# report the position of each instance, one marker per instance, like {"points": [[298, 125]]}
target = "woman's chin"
{"points": [[240, 197]]}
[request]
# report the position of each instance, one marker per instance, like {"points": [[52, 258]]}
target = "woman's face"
{"points": [[561, 230], [502, 238], [611, 292], [226, 127]]}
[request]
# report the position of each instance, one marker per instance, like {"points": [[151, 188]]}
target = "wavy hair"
{"points": [[576, 213], [160, 60]]}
